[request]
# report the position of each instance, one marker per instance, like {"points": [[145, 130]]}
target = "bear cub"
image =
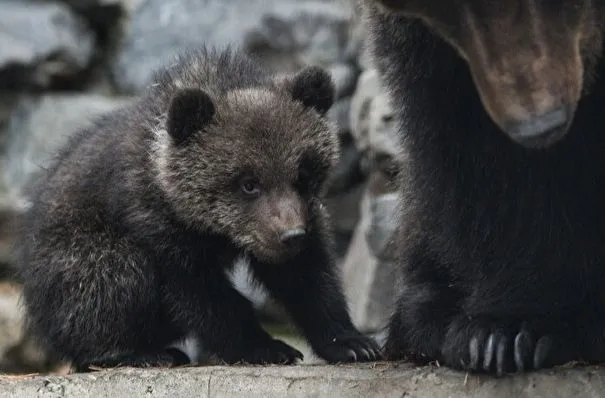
{"points": [[125, 248]]}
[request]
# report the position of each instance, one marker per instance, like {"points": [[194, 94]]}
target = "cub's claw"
{"points": [[273, 352], [353, 347]]}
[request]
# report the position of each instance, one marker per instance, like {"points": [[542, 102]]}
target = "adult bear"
{"points": [[502, 236]]}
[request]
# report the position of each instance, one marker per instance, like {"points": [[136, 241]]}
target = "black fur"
{"points": [[190, 111], [314, 88], [125, 247], [500, 247]]}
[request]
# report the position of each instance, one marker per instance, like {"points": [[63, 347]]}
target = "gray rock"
{"points": [[339, 114], [315, 32], [344, 213], [345, 78], [368, 87], [39, 126], [382, 134], [344, 209], [128, 5], [347, 172], [40, 42], [368, 273], [365, 60], [359, 269], [11, 316], [369, 279], [359, 48], [383, 222], [286, 34], [9, 211], [382, 379], [345, 188], [18, 352], [373, 123], [7, 105]]}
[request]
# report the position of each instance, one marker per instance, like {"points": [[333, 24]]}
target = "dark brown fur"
{"points": [[125, 248], [527, 57], [500, 246]]}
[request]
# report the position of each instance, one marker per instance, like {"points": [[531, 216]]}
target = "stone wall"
{"points": [[388, 380], [64, 62]]}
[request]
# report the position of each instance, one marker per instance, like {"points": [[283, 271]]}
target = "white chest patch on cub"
{"points": [[240, 278]]}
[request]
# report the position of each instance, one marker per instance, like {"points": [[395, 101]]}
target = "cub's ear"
{"points": [[313, 86], [190, 110]]}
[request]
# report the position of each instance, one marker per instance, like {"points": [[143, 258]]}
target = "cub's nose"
{"points": [[292, 236]]}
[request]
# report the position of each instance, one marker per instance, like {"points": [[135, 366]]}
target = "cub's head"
{"points": [[250, 163], [530, 59]]}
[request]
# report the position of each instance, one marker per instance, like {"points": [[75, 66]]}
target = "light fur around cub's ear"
{"points": [[190, 110], [313, 87]]}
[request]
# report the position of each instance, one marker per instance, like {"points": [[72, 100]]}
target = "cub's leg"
{"points": [[311, 292], [93, 298], [202, 302]]}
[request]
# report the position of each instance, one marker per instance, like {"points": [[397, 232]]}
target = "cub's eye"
{"points": [[250, 186]]}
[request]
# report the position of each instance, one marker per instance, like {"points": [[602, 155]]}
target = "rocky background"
{"points": [[64, 62]]}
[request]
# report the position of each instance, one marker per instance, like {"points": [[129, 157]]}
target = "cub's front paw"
{"points": [[272, 352], [350, 347]]}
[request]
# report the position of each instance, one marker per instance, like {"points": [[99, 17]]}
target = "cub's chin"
{"points": [[275, 255]]}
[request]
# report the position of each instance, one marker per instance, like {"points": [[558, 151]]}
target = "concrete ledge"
{"points": [[368, 380]]}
